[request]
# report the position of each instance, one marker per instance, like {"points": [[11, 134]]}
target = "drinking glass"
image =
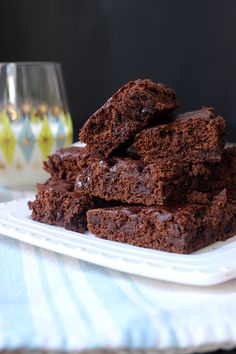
{"points": [[34, 120]]}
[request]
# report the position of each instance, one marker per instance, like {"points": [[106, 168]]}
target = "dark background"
{"points": [[190, 45]]}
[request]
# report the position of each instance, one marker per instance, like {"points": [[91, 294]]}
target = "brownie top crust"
{"points": [[71, 151], [57, 184], [203, 113]]}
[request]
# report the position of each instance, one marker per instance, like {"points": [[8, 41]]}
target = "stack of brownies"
{"points": [[145, 176]]}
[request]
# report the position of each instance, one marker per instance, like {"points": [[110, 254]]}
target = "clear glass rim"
{"points": [[31, 63]]}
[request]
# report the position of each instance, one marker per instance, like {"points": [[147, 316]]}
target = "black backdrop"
{"points": [[190, 45]]}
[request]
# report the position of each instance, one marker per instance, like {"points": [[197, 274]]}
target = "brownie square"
{"points": [[195, 137], [131, 181], [180, 230], [162, 183], [56, 203], [127, 112]]}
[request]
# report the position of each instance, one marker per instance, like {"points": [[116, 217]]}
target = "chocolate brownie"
{"points": [[127, 112], [65, 163], [196, 137], [163, 183], [56, 203], [134, 182], [180, 230]]}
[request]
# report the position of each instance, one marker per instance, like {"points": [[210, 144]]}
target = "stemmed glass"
{"points": [[34, 120]]}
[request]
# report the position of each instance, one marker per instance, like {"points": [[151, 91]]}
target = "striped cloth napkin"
{"points": [[52, 302]]}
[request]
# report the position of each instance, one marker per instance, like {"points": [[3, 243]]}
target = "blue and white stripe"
{"points": [[53, 302]]}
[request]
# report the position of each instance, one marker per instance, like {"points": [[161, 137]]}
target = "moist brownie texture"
{"points": [[65, 163], [134, 182], [181, 229], [128, 111], [56, 203], [195, 137]]}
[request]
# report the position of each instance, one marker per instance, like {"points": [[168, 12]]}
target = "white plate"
{"points": [[211, 265]]}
